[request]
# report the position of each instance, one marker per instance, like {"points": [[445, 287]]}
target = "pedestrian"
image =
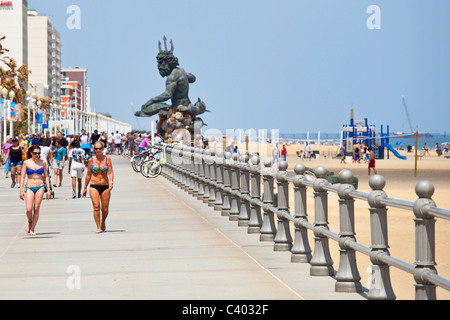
{"points": [[275, 154], [15, 156], [76, 167], [37, 141], [426, 149], [84, 138], [372, 161], [46, 153], [36, 173], [143, 144], [63, 141], [308, 151], [283, 152], [6, 168], [104, 139], [158, 139], [23, 143], [356, 156], [58, 162], [110, 149], [95, 137], [118, 142], [342, 153], [100, 177], [131, 144]]}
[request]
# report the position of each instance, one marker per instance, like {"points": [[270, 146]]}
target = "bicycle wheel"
{"points": [[151, 169], [135, 163]]}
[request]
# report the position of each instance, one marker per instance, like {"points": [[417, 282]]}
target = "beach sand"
{"points": [[400, 184]]}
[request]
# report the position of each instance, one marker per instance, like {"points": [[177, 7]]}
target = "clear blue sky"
{"points": [[292, 65]]}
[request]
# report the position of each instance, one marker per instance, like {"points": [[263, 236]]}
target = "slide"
{"points": [[391, 149]]}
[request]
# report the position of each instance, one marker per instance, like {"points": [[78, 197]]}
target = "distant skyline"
{"points": [[291, 65]]}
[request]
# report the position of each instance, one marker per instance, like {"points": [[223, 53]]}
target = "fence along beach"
{"points": [[400, 184]]}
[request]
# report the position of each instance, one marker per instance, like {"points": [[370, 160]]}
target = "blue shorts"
{"points": [[16, 164]]}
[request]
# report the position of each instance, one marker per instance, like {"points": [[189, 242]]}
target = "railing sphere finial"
{"points": [[377, 182], [424, 189], [346, 176]]}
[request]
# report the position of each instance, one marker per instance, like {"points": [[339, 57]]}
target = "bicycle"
{"points": [[152, 167], [138, 159]]}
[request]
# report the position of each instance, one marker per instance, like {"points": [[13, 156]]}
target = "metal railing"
{"points": [[230, 184]]}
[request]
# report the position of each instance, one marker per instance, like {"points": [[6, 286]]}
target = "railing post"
{"points": [[244, 212], [301, 251], [235, 187], [177, 159], [188, 159], [255, 221], [347, 277], [184, 168], [425, 241], [212, 176], [268, 229], [218, 164], [321, 262], [198, 171], [283, 239], [380, 287], [206, 175], [226, 205]]}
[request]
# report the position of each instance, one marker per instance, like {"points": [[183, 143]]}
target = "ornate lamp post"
{"points": [[4, 93], [69, 117], [28, 108]]}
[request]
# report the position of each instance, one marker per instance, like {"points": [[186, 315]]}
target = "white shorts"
{"points": [[57, 164], [76, 173]]}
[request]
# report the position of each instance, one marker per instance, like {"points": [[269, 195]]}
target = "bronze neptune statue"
{"points": [[180, 113]]}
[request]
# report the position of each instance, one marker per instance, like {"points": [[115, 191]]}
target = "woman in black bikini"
{"points": [[16, 154], [36, 172], [100, 176]]}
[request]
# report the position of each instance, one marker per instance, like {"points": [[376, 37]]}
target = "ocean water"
{"points": [[396, 142]]}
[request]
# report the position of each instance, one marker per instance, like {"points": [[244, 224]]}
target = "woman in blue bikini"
{"points": [[100, 176], [36, 172]]}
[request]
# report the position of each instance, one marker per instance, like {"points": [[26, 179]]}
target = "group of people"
{"points": [[439, 150], [360, 151], [29, 161]]}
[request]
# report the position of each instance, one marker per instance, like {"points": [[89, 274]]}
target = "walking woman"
{"points": [[15, 155], [100, 176], [58, 162], [36, 172]]}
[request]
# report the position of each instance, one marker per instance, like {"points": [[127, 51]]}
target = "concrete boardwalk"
{"points": [[160, 243]]}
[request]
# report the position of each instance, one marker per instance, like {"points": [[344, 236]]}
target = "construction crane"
{"points": [[407, 114]]}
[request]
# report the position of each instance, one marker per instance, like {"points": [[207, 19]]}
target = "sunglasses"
{"points": [[36, 153], [98, 148]]}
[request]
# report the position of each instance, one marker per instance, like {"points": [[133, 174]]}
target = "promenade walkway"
{"points": [[160, 243]]}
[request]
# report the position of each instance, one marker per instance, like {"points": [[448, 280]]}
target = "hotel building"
{"points": [[44, 56], [14, 25]]}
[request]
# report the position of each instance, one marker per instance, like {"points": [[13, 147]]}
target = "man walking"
{"points": [[76, 167]]}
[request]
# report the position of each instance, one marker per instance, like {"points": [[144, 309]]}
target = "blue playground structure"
{"points": [[361, 131]]}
